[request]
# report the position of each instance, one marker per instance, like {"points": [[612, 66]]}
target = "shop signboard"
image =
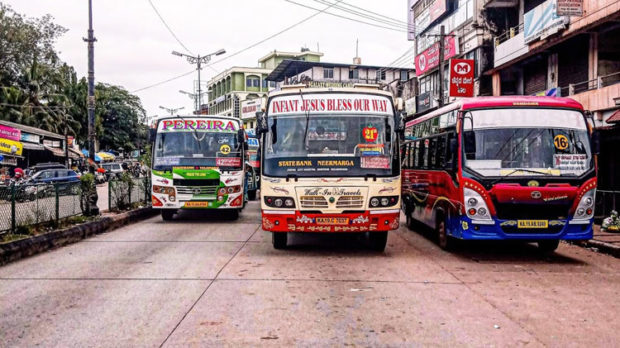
{"points": [[436, 9], [30, 138], [542, 21], [461, 77], [10, 133], [249, 108], [11, 147], [570, 8], [410, 106], [424, 102], [429, 59]]}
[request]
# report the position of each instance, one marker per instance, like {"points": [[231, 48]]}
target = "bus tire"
{"points": [[252, 195], [234, 214], [167, 214], [377, 240], [445, 241], [548, 245], [279, 239]]}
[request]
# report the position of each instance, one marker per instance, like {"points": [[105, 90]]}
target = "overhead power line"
{"points": [[390, 22], [319, 11], [168, 27]]}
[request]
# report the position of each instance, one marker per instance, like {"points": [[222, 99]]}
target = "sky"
{"points": [[133, 47]]}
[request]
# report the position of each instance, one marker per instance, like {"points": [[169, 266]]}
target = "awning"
{"points": [[615, 117], [56, 151], [33, 146], [75, 154]]}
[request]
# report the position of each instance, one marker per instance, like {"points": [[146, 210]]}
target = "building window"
{"points": [[381, 74], [328, 73], [256, 83], [404, 75], [354, 74], [272, 84], [264, 83], [248, 82]]}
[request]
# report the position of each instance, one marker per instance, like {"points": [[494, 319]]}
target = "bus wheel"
{"points": [[234, 214], [548, 245], [377, 240], [278, 239], [167, 214], [446, 242], [411, 224], [252, 195]]}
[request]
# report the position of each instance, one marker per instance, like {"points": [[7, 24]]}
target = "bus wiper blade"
{"points": [[292, 176], [195, 133], [516, 171], [368, 176]]}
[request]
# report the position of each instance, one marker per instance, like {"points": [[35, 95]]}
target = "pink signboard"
{"points": [[10, 133], [429, 59]]}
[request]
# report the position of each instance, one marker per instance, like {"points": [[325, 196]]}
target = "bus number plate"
{"points": [[533, 223], [332, 221], [196, 204]]}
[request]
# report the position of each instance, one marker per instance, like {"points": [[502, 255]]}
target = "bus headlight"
{"points": [[476, 207], [279, 202], [585, 209], [383, 201], [164, 190]]}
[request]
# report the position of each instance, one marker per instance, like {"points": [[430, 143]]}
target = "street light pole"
{"points": [[172, 111], [194, 96], [91, 85], [199, 60]]}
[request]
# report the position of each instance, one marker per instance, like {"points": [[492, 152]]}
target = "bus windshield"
{"points": [[199, 148], [329, 145], [526, 142]]}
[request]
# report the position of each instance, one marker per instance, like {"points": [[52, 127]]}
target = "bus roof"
{"points": [[503, 101]]}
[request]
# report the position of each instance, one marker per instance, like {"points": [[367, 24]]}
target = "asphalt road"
{"points": [[207, 281]]}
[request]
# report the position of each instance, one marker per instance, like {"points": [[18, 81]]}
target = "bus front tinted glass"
{"points": [[525, 142], [196, 149], [328, 145]]}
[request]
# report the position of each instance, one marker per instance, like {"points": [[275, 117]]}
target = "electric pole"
{"points": [[442, 36], [91, 85], [199, 60]]}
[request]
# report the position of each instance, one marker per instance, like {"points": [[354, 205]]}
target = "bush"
{"points": [[612, 223]]}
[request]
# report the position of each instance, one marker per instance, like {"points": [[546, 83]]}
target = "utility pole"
{"points": [[199, 60], [91, 85], [172, 111], [442, 37]]}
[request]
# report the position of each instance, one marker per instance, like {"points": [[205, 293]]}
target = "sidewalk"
{"points": [[604, 241]]}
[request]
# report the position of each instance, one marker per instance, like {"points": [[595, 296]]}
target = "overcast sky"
{"points": [[133, 46]]}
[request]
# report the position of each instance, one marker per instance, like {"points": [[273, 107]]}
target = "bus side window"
{"points": [[441, 151]]}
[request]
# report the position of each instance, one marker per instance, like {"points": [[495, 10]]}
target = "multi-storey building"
{"points": [[466, 36], [232, 89]]}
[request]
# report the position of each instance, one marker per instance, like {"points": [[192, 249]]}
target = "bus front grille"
{"points": [[313, 202], [346, 202], [509, 211], [197, 190]]}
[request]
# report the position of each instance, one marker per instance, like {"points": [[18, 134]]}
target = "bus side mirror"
{"points": [[469, 140], [399, 122], [261, 123], [596, 142]]}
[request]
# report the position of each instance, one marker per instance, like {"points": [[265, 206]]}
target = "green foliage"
{"points": [[39, 90]]}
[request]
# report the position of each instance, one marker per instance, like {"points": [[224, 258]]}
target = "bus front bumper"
{"points": [[464, 228], [296, 221]]}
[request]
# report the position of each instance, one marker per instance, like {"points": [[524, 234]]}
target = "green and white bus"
{"points": [[198, 163]]}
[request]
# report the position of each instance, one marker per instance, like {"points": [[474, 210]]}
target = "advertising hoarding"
{"points": [[429, 59], [461, 77]]}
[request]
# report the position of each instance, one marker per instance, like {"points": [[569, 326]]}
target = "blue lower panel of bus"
{"points": [[462, 227]]}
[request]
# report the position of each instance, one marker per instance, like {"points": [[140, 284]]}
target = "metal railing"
{"points": [[27, 205], [508, 34], [123, 193], [584, 86]]}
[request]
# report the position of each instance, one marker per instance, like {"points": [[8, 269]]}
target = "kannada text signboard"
{"points": [[570, 8], [461, 77], [429, 59]]}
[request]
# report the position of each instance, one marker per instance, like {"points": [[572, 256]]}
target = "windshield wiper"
{"points": [[516, 171], [291, 176], [301, 95], [195, 132]]}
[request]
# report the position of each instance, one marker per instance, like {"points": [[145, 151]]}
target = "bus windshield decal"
{"points": [[345, 103], [213, 125]]}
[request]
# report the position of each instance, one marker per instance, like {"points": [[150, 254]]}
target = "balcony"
{"points": [[509, 46]]}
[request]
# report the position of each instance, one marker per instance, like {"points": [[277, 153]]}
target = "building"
{"points": [[399, 81], [232, 91], [574, 56], [466, 36], [28, 146]]}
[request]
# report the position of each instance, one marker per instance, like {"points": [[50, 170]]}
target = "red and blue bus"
{"points": [[498, 168]]}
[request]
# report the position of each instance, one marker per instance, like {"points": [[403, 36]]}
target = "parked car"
{"points": [[112, 170], [42, 166], [65, 179]]}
